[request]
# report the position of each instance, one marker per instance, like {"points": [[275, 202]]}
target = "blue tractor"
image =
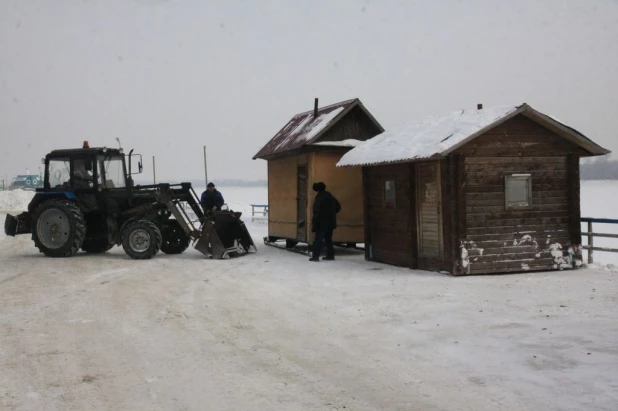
{"points": [[89, 202]]}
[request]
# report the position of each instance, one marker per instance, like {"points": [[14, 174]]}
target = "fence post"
{"points": [[590, 242]]}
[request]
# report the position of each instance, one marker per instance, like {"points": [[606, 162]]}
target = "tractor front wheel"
{"points": [[141, 239], [58, 228], [175, 240]]}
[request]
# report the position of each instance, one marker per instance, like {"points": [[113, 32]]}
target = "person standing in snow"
{"points": [[212, 199], [325, 209]]}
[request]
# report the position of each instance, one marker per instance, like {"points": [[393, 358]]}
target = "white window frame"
{"points": [[510, 205], [393, 189]]}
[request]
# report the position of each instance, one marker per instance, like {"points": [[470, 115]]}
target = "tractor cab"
{"points": [[90, 169]]}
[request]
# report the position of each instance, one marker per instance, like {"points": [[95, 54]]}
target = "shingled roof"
{"points": [[304, 129], [438, 136]]}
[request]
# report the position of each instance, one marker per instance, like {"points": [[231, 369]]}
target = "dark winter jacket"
{"points": [[212, 198], [325, 209]]}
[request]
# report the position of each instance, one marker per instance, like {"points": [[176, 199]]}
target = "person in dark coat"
{"points": [[325, 209], [212, 199]]}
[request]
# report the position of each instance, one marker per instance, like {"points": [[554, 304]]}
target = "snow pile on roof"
{"points": [[343, 143], [424, 138], [309, 127], [15, 200]]}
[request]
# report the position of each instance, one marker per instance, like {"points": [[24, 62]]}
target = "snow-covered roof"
{"points": [[343, 143], [306, 128], [437, 136]]}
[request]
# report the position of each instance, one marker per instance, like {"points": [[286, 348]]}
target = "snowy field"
{"points": [[272, 331], [599, 199]]}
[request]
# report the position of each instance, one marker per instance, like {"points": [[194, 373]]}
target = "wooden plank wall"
{"points": [[346, 184], [429, 218], [392, 229], [355, 125], [535, 238], [282, 192]]}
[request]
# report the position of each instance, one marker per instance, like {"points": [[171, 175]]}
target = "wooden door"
{"points": [[301, 207], [429, 212]]}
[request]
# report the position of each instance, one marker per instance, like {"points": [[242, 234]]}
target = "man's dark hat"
{"points": [[210, 185], [319, 186]]}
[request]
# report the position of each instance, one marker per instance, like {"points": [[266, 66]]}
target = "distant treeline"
{"points": [[199, 182], [600, 168]]}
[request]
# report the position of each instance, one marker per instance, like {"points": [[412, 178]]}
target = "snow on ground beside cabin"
{"points": [[274, 331], [599, 199]]}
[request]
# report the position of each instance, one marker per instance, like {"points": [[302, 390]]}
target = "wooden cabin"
{"points": [[491, 190], [306, 150]]}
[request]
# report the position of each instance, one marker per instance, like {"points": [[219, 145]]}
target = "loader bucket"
{"points": [[209, 242], [10, 225], [224, 235], [19, 224]]}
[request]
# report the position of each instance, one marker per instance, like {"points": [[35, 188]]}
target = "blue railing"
{"points": [[590, 234]]}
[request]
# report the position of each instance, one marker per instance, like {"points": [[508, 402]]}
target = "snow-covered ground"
{"points": [[272, 331], [599, 199]]}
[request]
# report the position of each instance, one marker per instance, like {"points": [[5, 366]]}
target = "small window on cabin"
{"points": [[518, 190], [389, 192]]}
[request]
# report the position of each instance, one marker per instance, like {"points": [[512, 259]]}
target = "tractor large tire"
{"points": [[175, 240], [141, 239], [58, 228], [97, 246]]}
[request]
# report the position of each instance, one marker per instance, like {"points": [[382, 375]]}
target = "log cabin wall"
{"points": [[541, 236]]}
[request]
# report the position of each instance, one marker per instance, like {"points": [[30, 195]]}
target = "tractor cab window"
{"points": [[59, 172], [112, 172], [82, 173]]}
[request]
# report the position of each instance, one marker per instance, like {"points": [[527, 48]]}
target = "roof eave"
{"points": [[392, 162], [566, 132]]}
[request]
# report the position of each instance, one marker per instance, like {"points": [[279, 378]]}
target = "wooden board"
{"points": [[301, 203], [391, 228], [429, 211], [282, 194], [346, 184]]}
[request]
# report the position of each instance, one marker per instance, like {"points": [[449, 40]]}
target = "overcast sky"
{"points": [[168, 76]]}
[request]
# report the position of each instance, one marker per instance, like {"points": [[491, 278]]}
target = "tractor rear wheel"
{"points": [[96, 246], [58, 228], [175, 240], [141, 239]]}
